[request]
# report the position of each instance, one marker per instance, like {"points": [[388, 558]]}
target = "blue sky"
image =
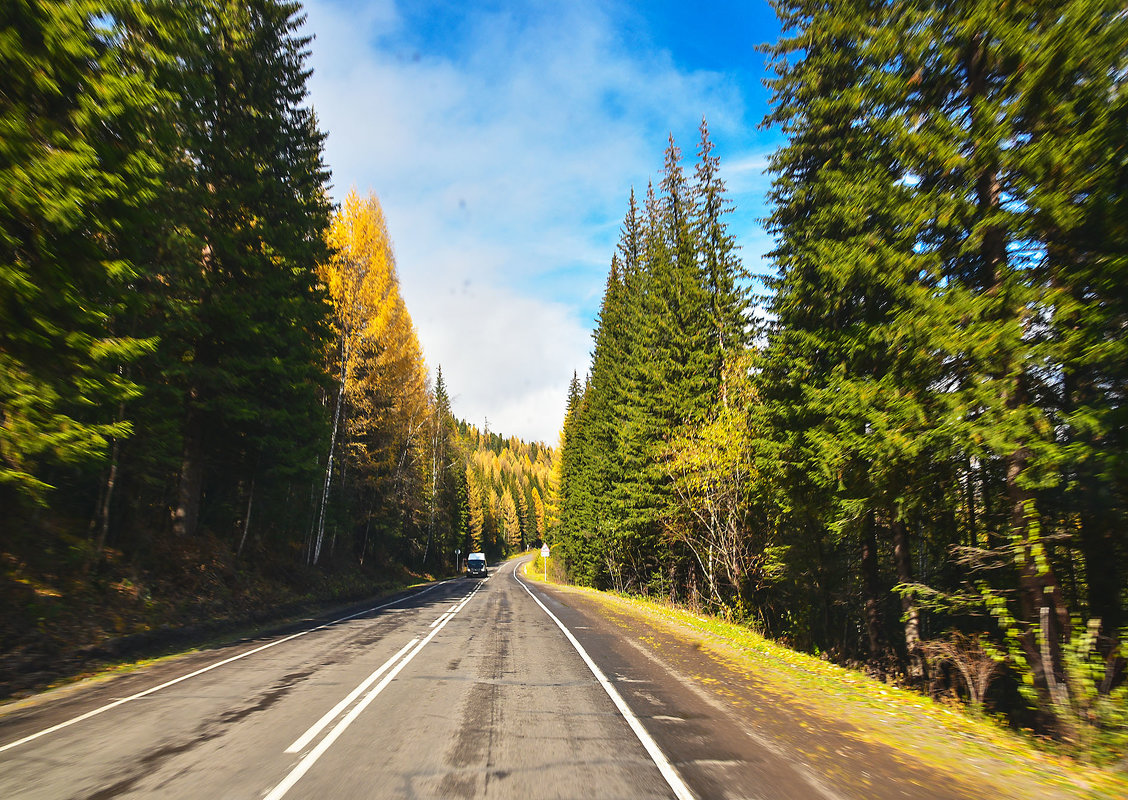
{"points": [[503, 139]]}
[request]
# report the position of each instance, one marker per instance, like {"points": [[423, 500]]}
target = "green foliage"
{"points": [[1098, 702], [249, 318], [934, 435], [673, 320], [920, 371], [713, 469], [447, 521], [163, 327], [76, 168]]}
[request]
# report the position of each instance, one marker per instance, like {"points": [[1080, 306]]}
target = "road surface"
{"points": [[464, 689]]}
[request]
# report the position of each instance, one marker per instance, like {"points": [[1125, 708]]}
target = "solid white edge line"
{"points": [[330, 715], [311, 758], [202, 670], [681, 791]]}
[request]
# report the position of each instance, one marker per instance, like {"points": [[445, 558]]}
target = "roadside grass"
{"points": [[104, 672], [945, 736]]}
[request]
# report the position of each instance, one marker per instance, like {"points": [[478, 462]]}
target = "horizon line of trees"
{"points": [[509, 484], [916, 456]]}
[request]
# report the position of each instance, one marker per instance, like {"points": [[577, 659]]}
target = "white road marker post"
{"points": [[544, 555]]}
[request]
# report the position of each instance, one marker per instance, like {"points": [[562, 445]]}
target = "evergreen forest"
{"points": [[904, 447], [214, 403]]}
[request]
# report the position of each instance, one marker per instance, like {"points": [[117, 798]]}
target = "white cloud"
{"points": [[503, 164], [748, 174]]}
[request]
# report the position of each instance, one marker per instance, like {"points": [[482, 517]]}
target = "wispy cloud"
{"points": [[503, 152]]}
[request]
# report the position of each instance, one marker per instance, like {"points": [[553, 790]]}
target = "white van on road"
{"points": [[476, 565]]}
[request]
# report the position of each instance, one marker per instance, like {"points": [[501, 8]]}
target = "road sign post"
{"points": [[544, 555]]}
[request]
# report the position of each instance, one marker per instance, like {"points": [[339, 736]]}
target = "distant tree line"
{"points": [[917, 456], [509, 484]]}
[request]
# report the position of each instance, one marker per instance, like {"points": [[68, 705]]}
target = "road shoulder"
{"points": [[855, 734]]}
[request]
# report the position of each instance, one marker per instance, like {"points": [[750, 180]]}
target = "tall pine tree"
{"points": [[251, 316]]}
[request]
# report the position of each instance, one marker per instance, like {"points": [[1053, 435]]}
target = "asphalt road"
{"points": [[465, 689]]}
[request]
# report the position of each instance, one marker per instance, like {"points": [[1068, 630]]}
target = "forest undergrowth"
{"points": [[63, 621]]}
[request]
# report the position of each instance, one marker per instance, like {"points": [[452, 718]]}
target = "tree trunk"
{"points": [[1095, 506], [105, 497], [1098, 544], [247, 519], [104, 510], [187, 513], [325, 486], [972, 517], [1040, 603], [434, 488], [308, 544], [1039, 600], [329, 462], [343, 482], [871, 588], [367, 529], [902, 560]]}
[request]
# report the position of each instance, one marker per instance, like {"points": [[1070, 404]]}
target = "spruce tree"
{"points": [[601, 402], [628, 500], [1074, 106], [252, 318], [942, 208], [812, 108], [974, 153], [725, 279], [79, 165], [572, 502], [681, 350], [671, 309], [444, 506]]}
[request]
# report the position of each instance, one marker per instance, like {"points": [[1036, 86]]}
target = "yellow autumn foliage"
{"points": [[377, 358]]}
